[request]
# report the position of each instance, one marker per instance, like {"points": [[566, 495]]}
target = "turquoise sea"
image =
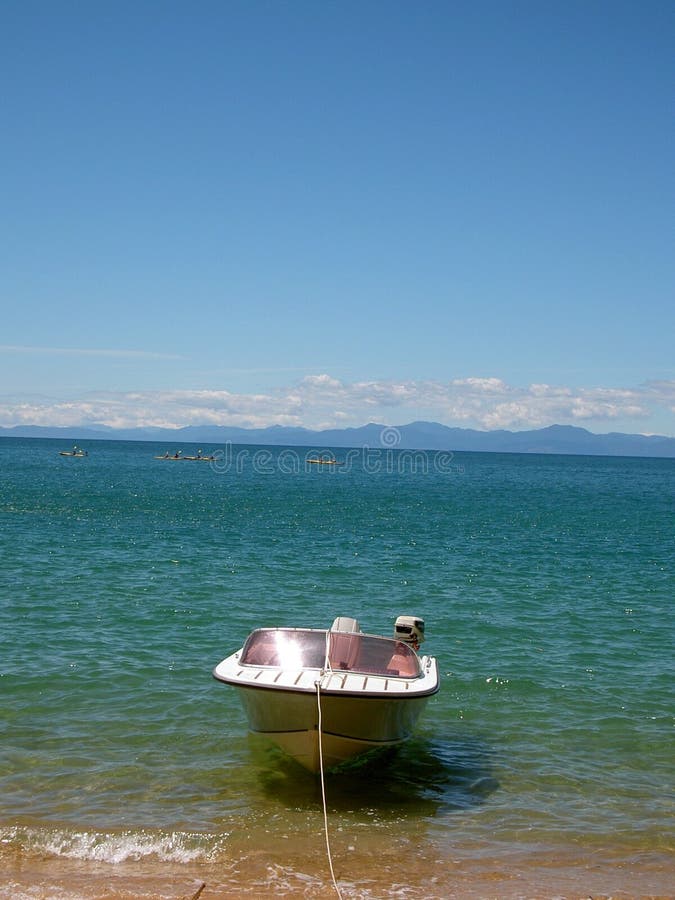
{"points": [[543, 768]]}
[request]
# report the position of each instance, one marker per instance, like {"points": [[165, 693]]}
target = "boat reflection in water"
{"points": [[330, 695]]}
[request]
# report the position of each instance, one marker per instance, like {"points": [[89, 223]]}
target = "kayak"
{"points": [[325, 462], [189, 458]]}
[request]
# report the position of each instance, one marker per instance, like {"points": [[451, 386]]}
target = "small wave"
{"points": [[115, 847]]}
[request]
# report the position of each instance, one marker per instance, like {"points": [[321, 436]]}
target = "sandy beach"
{"points": [[297, 872]]}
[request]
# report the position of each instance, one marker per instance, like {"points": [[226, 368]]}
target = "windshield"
{"points": [[285, 648], [290, 648]]}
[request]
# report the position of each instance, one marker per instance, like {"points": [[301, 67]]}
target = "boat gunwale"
{"points": [[396, 696], [327, 692]]}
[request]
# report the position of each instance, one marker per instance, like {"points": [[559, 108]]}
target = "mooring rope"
{"points": [[323, 791]]}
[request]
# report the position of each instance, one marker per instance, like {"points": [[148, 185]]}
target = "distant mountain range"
{"points": [[565, 439]]}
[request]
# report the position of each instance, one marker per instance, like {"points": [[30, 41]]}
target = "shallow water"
{"points": [[544, 764]]}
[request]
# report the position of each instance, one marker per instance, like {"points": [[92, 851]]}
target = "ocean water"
{"points": [[543, 768]]}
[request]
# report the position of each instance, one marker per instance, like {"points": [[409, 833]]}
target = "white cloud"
{"points": [[663, 392], [323, 401], [545, 390], [321, 381], [481, 385]]}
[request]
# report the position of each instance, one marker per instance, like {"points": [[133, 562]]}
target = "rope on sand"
{"points": [[323, 791]]}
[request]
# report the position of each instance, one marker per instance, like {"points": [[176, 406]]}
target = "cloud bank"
{"points": [[322, 401]]}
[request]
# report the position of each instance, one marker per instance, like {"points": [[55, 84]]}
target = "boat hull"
{"points": [[350, 725]]}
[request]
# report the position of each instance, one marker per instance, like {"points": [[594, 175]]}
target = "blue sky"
{"points": [[329, 213]]}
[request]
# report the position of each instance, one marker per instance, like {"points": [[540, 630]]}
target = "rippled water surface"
{"points": [[547, 587]]}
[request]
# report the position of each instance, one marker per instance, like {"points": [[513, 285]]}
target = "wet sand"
{"points": [[416, 874]]}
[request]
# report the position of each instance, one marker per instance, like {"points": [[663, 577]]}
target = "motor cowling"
{"points": [[410, 630]]}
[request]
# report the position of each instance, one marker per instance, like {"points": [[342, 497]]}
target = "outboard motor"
{"points": [[410, 630]]}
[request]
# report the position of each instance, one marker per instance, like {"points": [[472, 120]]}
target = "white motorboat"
{"points": [[76, 452], [329, 695]]}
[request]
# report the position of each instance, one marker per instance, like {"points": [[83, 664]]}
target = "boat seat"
{"points": [[346, 624], [344, 645], [403, 662]]}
